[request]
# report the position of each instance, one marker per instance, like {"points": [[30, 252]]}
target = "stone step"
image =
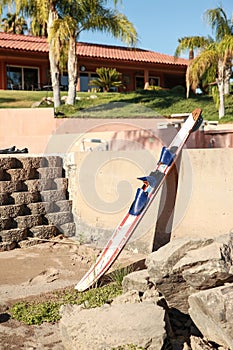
{"points": [[11, 162], [64, 206], [3, 175], [46, 184], [21, 174], [13, 235], [40, 162], [7, 223], [28, 221], [8, 162], [59, 219], [25, 197], [11, 211], [12, 186], [68, 229], [43, 231], [42, 208], [31, 173], [5, 199], [53, 195], [49, 173]]}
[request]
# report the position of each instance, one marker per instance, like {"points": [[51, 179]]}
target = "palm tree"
{"points": [[72, 17], [190, 44], [213, 64], [222, 26], [89, 15], [107, 78], [12, 23], [46, 12]]}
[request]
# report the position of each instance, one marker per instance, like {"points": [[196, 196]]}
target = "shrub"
{"points": [[108, 78]]}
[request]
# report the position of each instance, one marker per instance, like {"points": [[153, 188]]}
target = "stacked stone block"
{"points": [[34, 200]]}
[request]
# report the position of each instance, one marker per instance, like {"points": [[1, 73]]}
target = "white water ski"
{"points": [[135, 214]]}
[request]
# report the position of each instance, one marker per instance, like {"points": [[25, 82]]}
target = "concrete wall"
{"points": [[103, 185], [209, 211], [40, 132]]}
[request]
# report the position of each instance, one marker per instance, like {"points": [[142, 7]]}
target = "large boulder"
{"points": [[212, 310], [107, 327], [185, 266]]}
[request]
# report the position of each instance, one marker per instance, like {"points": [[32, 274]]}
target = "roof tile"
{"points": [[39, 44]]}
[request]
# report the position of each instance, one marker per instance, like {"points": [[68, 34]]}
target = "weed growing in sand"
{"points": [[48, 311], [119, 273]]}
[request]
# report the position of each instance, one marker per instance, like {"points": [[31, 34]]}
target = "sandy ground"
{"points": [[34, 271]]}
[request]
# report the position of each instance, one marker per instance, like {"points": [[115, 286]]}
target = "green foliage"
{"points": [[154, 88], [108, 78], [178, 90], [36, 313], [153, 104], [119, 273], [48, 311]]}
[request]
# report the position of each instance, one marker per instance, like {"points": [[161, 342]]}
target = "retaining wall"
{"points": [[34, 200], [197, 199], [41, 133]]}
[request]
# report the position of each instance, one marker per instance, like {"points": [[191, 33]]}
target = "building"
{"points": [[24, 65]]}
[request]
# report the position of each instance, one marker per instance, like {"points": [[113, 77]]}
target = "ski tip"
{"points": [[196, 113], [80, 288]]}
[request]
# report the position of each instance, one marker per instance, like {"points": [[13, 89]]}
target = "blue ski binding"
{"points": [[141, 197], [166, 156]]}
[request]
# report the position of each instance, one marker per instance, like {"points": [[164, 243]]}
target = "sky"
{"points": [[160, 23]]}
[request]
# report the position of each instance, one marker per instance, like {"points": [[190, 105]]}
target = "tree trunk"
{"points": [[227, 77], [220, 82], [72, 71], [221, 111], [54, 65]]}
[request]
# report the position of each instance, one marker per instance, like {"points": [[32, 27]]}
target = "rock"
{"points": [[104, 328], [185, 266], [211, 310], [200, 344], [137, 280], [131, 296], [161, 263]]}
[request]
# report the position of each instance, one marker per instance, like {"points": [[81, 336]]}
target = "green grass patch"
{"points": [[48, 310], [138, 104]]}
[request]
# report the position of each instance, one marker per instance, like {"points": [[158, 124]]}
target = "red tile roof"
{"points": [[38, 44]]}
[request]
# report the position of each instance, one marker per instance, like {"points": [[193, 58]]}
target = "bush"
{"points": [[178, 90]]}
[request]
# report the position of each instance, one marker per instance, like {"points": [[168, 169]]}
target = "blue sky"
{"points": [[160, 23]]}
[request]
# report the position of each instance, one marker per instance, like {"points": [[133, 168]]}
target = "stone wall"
{"points": [[34, 200]]}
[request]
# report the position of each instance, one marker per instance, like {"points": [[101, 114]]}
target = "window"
{"points": [[154, 81], [85, 79], [139, 83], [22, 78]]}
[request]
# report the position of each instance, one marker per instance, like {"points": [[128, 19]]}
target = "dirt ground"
{"points": [[33, 272]]}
